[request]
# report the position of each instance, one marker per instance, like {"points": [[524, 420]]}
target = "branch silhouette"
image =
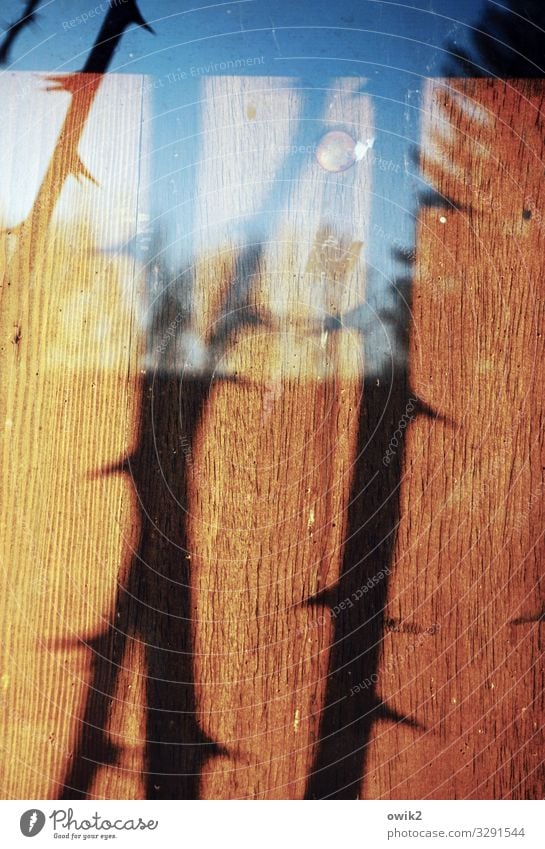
{"points": [[508, 41], [28, 17], [153, 608], [65, 161]]}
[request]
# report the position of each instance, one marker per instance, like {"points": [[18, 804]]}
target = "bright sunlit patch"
{"points": [[71, 207], [108, 150]]}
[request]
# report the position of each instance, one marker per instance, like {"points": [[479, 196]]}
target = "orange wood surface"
{"points": [[184, 554]]}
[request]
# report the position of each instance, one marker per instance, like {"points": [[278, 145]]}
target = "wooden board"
{"points": [[214, 586], [70, 359], [284, 402], [469, 552], [274, 451]]}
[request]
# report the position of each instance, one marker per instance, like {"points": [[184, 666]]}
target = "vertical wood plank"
{"points": [[69, 355], [468, 579], [274, 450]]}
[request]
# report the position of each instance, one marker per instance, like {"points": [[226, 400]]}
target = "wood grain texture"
{"points": [[174, 538], [128, 707], [469, 553], [277, 240], [69, 396]]}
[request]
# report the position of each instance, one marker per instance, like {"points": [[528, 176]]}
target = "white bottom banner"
{"points": [[266, 824]]}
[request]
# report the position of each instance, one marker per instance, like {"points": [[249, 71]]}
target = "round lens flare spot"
{"points": [[338, 151]]}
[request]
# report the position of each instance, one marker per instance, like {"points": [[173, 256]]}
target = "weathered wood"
{"points": [[69, 397], [282, 387], [469, 552], [206, 574], [277, 238]]}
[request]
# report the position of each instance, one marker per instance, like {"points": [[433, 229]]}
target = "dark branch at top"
{"points": [[28, 17], [508, 42], [119, 17]]}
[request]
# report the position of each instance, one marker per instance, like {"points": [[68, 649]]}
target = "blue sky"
{"points": [[408, 35]]}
